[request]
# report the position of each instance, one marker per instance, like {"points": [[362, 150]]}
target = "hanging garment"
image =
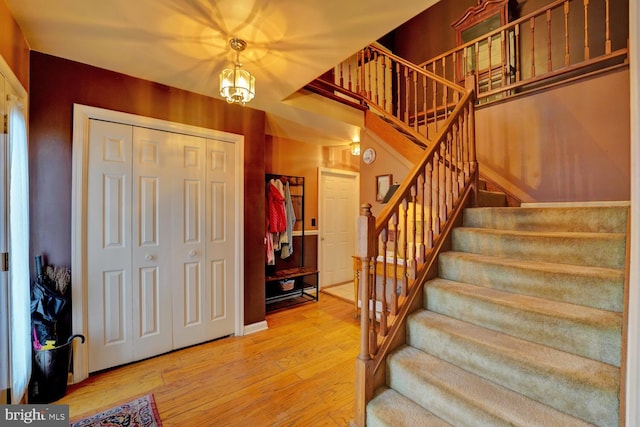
{"points": [[277, 214], [286, 243]]}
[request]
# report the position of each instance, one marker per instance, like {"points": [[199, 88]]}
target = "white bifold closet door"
{"points": [[159, 244]]}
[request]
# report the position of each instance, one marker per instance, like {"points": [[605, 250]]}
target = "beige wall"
{"points": [[570, 143], [388, 161]]}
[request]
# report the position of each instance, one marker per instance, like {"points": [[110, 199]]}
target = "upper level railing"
{"points": [[408, 96], [564, 39]]}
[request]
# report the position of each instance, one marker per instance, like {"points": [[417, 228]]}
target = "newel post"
{"points": [[365, 251]]}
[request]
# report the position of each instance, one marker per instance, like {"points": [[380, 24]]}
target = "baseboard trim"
{"points": [[255, 327]]}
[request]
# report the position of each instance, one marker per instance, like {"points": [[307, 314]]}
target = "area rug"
{"points": [[141, 412]]}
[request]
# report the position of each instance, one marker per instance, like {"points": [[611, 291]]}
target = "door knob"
{"points": [[193, 253], [148, 257]]}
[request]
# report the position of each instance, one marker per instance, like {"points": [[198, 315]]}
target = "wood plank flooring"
{"points": [[299, 372]]}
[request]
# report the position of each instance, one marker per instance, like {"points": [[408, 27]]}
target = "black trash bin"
{"points": [[50, 372]]}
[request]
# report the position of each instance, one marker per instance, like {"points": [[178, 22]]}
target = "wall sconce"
{"points": [[355, 148], [237, 86]]}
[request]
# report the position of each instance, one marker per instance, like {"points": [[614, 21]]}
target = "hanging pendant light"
{"points": [[237, 86]]}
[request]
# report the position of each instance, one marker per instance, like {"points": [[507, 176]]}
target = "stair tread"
{"points": [[553, 267], [598, 287], [575, 248], [522, 352], [572, 218], [558, 234], [581, 314], [464, 388], [585, 331], [393, 409]]}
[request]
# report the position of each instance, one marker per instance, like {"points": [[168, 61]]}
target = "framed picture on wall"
{"points": [[383, 183]]}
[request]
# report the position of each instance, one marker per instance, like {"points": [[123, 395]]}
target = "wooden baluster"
{"points": [[421, 187], [472, 137], [517, 52], [398, 98], [461, 162], [350, 77], [425, 86], [532, 24], [448, 164], [415, 100], [436, 193], [465, 147], [566, 34], [369, 88], [586, 30], [406, 95], [405, 239], [549, 66], [434, 95], [383, 279], [429, 203], [476, 72], [455, 163], [377, 88], [505, 58], [383, 64], [394, 281], [445, 99], [607, 38], [442, 191], [490, 79], [414, 229]]}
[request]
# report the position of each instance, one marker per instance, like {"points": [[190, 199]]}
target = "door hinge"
{"points": [[5, 125], [4, 261]]}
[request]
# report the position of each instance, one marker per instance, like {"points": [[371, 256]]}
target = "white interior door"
{"points": [[189, 326], [151, 244], [337, 220], [109, 246], [221, 225]]}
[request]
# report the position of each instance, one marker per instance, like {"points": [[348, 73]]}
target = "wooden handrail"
{"points": [[398, 249]]}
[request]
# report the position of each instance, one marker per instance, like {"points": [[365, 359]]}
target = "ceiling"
{"points": [[184, 44]]}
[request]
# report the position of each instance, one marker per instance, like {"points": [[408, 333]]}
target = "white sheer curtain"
{"points": [[19, 282]]}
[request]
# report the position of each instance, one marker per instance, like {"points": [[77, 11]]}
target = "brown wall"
{"points": [[56, 84], [13, 46]]}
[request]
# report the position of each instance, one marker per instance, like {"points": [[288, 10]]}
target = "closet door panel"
{"points": [[221, 223], [188, 241], [151, 251], [109, 246]]}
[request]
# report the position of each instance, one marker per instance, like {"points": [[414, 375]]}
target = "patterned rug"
{"points": [[140, 412]]}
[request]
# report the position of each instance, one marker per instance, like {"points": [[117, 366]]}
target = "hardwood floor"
{"points": [[299, 372]]}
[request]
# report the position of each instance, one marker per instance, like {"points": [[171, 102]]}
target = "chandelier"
{"points": [[237, 86]]}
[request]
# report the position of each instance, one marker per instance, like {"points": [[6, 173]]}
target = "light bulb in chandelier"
{"points": [[237, 86]]}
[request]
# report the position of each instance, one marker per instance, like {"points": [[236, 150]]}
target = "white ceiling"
{"points": [[184, 44]]}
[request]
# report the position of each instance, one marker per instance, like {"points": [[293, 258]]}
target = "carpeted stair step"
{"points": [[391, 409], [578, 386], [591, 249], [584, 331], [598, 219], [584, 285], [462, 398], [491, 199]]}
